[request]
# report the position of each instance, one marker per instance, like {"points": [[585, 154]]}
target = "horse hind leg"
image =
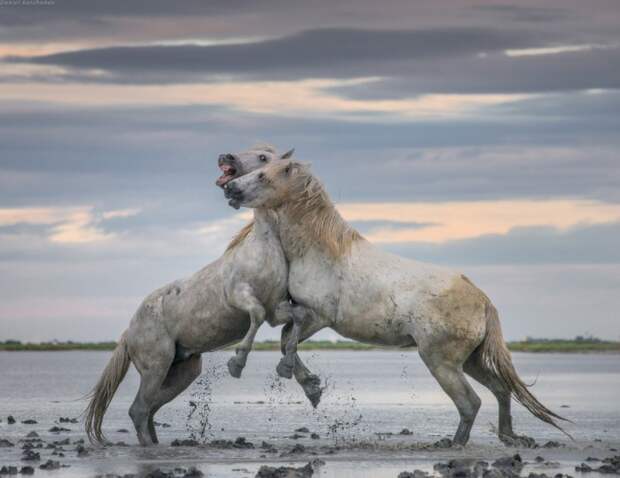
{"points": [[452, 380], [475, 369], [153, 359], [180, 376]]}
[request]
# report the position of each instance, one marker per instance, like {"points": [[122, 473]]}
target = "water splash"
{"points": [[197, 423]]}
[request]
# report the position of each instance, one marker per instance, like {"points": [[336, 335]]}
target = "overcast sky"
{"points": [[482, 135]]}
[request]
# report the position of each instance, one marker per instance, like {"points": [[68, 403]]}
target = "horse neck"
{"points": [[263, 221], [302, 230]]}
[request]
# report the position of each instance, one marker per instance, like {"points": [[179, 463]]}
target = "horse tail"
{"points": [[101, 395], [496, 359]]}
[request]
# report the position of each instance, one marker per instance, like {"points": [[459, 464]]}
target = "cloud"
{"points": [[451, 221], [320, 53], [580, 244], [67, 225]]}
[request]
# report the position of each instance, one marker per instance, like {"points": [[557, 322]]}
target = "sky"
{"points": [[480, 135]]}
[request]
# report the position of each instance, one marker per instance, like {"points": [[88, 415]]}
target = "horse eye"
{"points": [[263, 158], [287, 170], [261, 176]]}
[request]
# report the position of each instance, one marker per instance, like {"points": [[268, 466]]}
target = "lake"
{"points": [[370, 397]]}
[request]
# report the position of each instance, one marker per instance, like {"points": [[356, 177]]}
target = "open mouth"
{"points": [[229, 173]]}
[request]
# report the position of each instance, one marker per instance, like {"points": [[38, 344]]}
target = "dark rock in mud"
{"points": [[539, 459], [5, 443], [120, 443], [513, 463], [56, 429], [157, 473], [30, 455], [32, 434], [193, 472], [67, 420], [26, 470], [122, 430], [305, 471], [443, 443], [163, 425], [303, 430], [30, 421], [315, 436], [298, 449], [413, 474], [8, 470], [296, 436], [461, 468], [82, 451], [113, 475], [553, 444], [592, 458], [50, 465], [10, 420], [268, 447], [610, 466], [405, 431], [187, 442], [240, 443], [66, 441], [518, 441]]}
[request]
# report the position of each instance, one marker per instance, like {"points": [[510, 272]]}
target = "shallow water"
{"points": [[368, 396]]}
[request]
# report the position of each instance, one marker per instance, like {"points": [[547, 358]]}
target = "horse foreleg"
{"points": [[243, 298], [310, 383], [305, 323], [292, 333]]}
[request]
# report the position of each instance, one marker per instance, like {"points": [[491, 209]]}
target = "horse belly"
{"points": [[214, 331]]}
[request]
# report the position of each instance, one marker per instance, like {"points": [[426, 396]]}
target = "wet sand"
{"points": [[371, 397]]}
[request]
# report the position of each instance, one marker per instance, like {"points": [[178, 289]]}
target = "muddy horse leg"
{"points": [[310, 383], [452, 380], [179, 377], [244, 299], [476, 369], [305, 324]]}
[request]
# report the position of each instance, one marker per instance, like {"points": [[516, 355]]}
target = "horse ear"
{"points": [[288, 154]]}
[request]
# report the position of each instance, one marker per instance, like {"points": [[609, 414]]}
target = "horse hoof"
{"points": [[443, 443], [284, 370], [312, 389], [518, 441], [314, 395], [234, 368]]}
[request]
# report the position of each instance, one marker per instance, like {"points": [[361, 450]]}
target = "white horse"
{"points": [[223, 303], [340, 280]]}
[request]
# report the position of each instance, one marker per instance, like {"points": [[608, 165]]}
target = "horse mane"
{"points": [[240, 236], [309, 205]]}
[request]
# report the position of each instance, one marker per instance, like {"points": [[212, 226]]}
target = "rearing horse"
{"points": [[340, 280]]}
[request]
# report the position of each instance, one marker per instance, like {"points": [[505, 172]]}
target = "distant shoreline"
{"points": [[554, 346]]}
